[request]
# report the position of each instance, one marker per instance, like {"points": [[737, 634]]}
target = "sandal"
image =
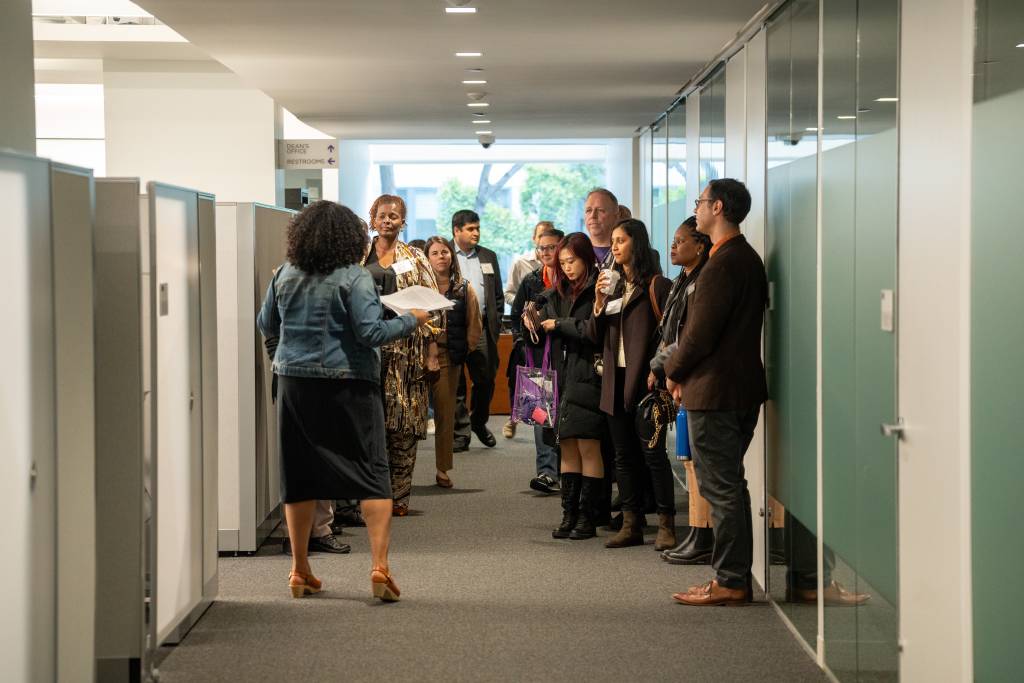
{"points": [[384, 587], [303, 584]]}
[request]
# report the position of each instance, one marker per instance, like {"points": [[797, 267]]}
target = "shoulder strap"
{"points": [[654, 299]]}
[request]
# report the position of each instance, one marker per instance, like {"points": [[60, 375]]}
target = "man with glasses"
{"points": [[717, 374], [531, 291]]}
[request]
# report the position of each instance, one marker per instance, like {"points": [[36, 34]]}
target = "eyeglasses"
{"points": [[547, 248], [696, 202]]}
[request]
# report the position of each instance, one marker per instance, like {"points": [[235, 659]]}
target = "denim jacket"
{"points": [[328, 325]]}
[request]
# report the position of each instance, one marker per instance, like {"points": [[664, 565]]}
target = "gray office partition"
{"points": [[182, 295], [72, 202], [27, 426], [250, 246], [125, 635]]}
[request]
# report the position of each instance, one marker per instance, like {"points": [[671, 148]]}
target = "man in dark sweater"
{"points": [[717, 373]]}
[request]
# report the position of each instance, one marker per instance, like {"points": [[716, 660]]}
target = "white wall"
{"points": [[934, 380], [205, 131], [17, 77]]}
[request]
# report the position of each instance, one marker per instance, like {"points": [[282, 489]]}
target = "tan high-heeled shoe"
{"points": [[384, 587], [303, 584]]}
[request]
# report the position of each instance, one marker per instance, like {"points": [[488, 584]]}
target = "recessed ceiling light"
{"points": [[811, 130], [888, 99], [475, 69], [469, 54], [474, 82], [480, 122], [478, 104], [485, 132], [460, 10], [1020, 44], [845, 118]]}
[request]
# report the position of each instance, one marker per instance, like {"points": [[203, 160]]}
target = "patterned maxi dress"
{"points": [[403, 365]]}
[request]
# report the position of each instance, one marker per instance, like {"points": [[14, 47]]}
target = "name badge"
{"points": [[403, 266], [689, 290], [613, 307], [487, 269]]}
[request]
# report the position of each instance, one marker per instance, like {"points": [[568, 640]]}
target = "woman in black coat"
{"points": [[626, 320], [570, 305]]}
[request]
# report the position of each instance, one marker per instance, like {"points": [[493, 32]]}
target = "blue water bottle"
{"points": [[682, 435]]}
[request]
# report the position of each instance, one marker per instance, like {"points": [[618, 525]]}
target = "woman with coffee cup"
{"points": [[581, 423], [628, 301]]}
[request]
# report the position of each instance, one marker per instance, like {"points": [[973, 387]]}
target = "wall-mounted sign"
{"points": [[307, 154]]}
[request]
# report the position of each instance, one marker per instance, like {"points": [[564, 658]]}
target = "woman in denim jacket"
{"points": [[325, 311]]}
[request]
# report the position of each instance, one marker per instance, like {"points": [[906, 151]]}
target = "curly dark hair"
{"points": [[324, 237]]}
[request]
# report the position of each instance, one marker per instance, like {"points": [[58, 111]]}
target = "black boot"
{"points": [[584, 527], [571, 486], [695, 549]]}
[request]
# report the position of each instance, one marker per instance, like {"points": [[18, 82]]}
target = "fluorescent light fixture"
{"points": [[469, 54], [480, 122], [474, 69], [888, 99], [478, 104], [485, 132], [1020, 44], [460, 10], [846, 118], [474, 82], [811, 130]]}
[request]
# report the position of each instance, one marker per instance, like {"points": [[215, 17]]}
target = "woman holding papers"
{"points": [[463, 327], [405, 363], [325, 313]]}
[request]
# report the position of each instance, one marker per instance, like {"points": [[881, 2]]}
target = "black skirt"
{"points": [[332, 441]]}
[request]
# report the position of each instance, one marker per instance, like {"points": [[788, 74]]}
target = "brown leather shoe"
{"points": [[711, 593], [631, 533], [398, 510], [443, 480], [835, 595]]}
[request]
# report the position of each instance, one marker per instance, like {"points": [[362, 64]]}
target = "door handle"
{"points": [[896, 430]]}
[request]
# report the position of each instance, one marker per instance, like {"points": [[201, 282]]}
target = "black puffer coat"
{"points": [[572, 354]]}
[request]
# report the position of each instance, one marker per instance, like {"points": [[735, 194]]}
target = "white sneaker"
{"points": [[431, 427]]}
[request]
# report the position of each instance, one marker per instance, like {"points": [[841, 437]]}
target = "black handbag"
{"points": [[654, 413]]}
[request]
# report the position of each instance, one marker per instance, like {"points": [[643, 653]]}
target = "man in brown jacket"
{"points": [[716, 372]]}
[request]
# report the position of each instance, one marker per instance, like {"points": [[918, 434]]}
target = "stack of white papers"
{"points": [[416, 296]]}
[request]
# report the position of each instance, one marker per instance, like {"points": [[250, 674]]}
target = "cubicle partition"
{"points": [[48, 581], [156, 419], [250, 245], [182, 294]]}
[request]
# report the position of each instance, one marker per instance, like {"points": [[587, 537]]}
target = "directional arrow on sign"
{"points": [[330, 148], [330, 160]]}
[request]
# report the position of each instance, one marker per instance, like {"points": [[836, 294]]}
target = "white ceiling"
{"points": [[386, 69]]}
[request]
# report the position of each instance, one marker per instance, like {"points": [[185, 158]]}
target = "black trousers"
{"points": [[482, 364], [718, 442], [631, 454]]}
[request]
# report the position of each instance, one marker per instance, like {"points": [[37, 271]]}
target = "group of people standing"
{"points": [[351, 415]]}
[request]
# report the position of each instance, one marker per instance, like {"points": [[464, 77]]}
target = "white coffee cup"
{"points": [[612, 279]]}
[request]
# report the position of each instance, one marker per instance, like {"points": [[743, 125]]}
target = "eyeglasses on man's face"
{"points": [[696, 202], [547, 248]]}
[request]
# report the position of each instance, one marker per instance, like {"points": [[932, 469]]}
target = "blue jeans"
{"points": [[547, 454]]}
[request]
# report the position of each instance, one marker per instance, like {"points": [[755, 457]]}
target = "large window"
{"points": [[678, 205], [510, 198]]}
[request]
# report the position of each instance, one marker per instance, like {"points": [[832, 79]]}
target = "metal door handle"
{"points": [[896, 430]]}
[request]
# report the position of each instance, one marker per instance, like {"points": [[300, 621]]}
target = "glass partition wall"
{"points": [[830, 152], [860, 42], [791, 323], [678, 207]]}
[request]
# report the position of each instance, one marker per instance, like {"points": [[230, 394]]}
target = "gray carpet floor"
{"points": [[487, 595]]}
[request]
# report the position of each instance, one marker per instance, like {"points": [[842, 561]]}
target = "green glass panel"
{"points": [[791, 323], [997, 340], [859, 230]]}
